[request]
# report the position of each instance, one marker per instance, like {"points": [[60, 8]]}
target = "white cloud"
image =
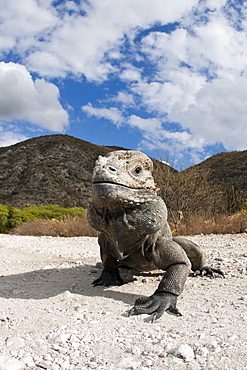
{"points": [[195, 75], [22, 98], [111, 114], [24, 22], [10, 136], [125, 99], [46, 64], [57, 42], [130, 74], [218, 114], [199, 79], [145, 124]]}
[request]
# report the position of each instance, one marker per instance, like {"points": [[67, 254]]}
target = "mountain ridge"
{"points": [[51, 169], [57, 169]]}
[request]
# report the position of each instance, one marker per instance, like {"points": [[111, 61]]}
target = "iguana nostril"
{"points": [[113, 169]]}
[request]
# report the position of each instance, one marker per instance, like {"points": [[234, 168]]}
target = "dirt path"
{"points": [[52, 318]]}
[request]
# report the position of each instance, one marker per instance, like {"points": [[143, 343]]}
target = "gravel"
{"points": [[52, 318]]}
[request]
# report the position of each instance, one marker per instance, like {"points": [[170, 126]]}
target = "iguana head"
{"points": [[129, 168]]}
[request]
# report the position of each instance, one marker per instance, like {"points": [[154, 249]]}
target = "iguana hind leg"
{"points": [[208, 271], [197, 258]]}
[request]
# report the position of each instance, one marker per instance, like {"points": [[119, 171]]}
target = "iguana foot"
{"points": [[121, 265], [155, 305], [108, 278], [208, 271]]}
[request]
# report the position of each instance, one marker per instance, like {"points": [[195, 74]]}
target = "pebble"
{"points": [[212, 345], [27, 360], [93, 365], [202, 351], [214, 320], [15, 342], [98, 337], [9, 363], [94, 270], [137, 283], [67, 294], [127, 363], [210, 362], [145, 280], [55, 367], [185, 352], [233, 338], [58, 337], [136, 350], [147, 363]]}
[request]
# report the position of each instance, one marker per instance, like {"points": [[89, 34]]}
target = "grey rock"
{"points": [[27, 360], [148, 362], [127, 363], [9, 363], [15, 342], [185, 352]]}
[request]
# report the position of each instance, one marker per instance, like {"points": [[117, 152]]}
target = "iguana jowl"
{"points": [[132, 220]]}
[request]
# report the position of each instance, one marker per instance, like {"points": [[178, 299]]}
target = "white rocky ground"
{"points": [[52, 318]]}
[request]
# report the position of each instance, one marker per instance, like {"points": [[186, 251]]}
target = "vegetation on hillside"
{"points": [[57, 169], [244, 208], [11, 217], [196, 205], [185, 217]]}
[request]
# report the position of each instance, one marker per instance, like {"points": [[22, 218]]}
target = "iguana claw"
{"points": [[209, 271], [108, 278], [155, 305]]}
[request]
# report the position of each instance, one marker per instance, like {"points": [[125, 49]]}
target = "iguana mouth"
{"points": [[111, 183]]}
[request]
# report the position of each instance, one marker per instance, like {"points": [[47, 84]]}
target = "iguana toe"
{"points": [[108, 278], [155, 305], [208, 271]]}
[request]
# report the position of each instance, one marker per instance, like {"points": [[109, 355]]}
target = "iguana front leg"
{"points": [[110, 274], [169, 256], [155, 305], [108, 278]]}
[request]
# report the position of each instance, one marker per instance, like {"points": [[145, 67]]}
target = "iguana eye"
{"points": [[138, 170]]}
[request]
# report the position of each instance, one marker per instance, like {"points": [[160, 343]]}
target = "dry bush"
{"points": [[185, 195], [219, 224], [195, 205], [77, 226]]}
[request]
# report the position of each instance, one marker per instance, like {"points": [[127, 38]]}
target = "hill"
{"points": [[226, 173], [52, 169], [227, 168]]}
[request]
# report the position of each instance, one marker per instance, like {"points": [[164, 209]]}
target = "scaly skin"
{"points": [[132, 220]]}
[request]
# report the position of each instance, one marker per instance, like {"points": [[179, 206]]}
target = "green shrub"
{"points": [[16, 217], [244, 208], [11, 217], [4, 212], [52, 211]]}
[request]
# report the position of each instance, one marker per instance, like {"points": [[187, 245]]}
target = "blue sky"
{"points": [[168, 77]]}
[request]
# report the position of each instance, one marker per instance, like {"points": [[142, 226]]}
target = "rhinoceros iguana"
{"points": [[132, 220]]}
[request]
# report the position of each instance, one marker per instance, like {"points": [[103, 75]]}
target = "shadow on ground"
{"points": [[46, 283]]}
